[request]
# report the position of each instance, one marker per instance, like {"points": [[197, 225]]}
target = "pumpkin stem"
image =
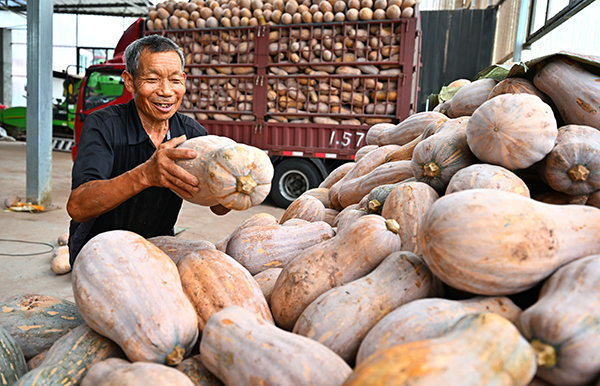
{"points": [[175, 357], [374, 206], [431, 170], [246, 184], [545, 354], [579, 173], [392, 225]]}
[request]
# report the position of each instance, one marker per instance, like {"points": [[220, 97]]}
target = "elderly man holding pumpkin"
{"points": [[125, 176]]}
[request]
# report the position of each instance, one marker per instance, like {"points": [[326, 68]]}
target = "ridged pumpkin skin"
{"points": [[336, 175], [307, 208], [116, 371], [351, 192], [242, 349], [573, 90], [70, 358], [129, 291], [12, 361], [348, 216], [561, 324], [355, 251], [330, 215], [239, 176], [197, 372], [481, 349], [378, 195], [254, 220], [364, 151], [486, 176], [429, 318], [374, 131], [213, 280], [407, 204], [322, 194], [437, 158], [266, 281], [259, 248], [594, 200], [512, 130], [470, 97], [515, 243], [371, 297], [573, 165], [367, 163], [517, 86], [204, 147], [405, 152], [37, 321], [177, 248], [409, 129]]}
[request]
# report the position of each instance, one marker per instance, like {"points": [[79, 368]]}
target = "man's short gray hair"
{"points": [[154, 43]]}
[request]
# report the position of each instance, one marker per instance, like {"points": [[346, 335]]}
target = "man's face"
{"points": [[159, 87]]}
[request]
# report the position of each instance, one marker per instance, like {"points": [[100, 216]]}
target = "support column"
{"points": [[6, 67], [39, 102]]}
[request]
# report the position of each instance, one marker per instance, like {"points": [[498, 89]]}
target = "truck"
{"points": [[306, 94]]}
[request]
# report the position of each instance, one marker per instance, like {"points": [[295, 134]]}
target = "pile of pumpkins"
{"points": [[169, 15], [425, 262]]}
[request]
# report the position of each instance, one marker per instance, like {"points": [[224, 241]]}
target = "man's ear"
{"points": [[129, 83]]}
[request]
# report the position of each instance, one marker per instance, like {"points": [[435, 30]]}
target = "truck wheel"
{"points": [[292, 178]]}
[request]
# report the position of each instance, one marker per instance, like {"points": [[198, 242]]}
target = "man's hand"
{"points": [[161, 169]]}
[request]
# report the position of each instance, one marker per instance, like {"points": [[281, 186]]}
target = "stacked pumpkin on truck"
{"points": [[304, 82]]}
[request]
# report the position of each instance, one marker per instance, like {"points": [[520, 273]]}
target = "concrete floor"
{"points": [[31, 274]]}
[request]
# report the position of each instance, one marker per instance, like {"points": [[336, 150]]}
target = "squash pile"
{"points": [[418, 264]]}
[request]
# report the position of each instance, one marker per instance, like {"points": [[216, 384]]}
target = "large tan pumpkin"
{"points": [[486, 176], [116, 371], [129, 291], [492, 242], [512, 130], [470, 97]]}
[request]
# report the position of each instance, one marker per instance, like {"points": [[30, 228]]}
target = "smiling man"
{"points": [[125, 173]]}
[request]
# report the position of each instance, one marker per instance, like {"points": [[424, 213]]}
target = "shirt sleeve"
{"points": [[95, 153]]}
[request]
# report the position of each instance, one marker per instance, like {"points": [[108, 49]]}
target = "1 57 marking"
{"points": [[347, 138]]}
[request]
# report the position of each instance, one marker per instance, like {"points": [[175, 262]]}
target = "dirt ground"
{"points": [[27, 270]]}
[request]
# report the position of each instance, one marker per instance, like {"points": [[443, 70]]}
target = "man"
{"points": [[125, 173]]}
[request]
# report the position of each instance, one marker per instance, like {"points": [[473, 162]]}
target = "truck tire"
{"points": [[293, 177]]}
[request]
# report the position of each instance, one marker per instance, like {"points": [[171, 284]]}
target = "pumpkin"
{"points": [[197, 372], [266, 281], [240, 348], [258, 248], [330, 215], [354, 190], [355, 251], [481, 349], [470, 97], [12, 361], [322, 194], [37, 321], [373, 133], [70, 358], [594, 200], [307, 208], [372, 297], [348, 216], [559, 198], [256, 219], [492, 242], [336, 175], [429, 318], [237, 176], [436, 159], [37, 360], [409, 129], [486, 176], [516, 86], [573, 90], [572, 165], [559, 325], [378, 195], [129, 291], [407, 204], [405, 152], [176, 248], [512, 130], [117, 371], [212, 280], [60, 263], [364, 151]]}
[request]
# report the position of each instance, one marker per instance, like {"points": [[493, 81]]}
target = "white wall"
{"points": [[69, 31]]}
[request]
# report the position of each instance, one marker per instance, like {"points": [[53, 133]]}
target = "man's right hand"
{"points": [[162, 170]]}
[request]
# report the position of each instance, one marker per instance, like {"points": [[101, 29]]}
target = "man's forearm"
{"points": [[94, 198]]}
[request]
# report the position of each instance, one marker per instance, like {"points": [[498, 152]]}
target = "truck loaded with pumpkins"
{"points": [[302, 81]]}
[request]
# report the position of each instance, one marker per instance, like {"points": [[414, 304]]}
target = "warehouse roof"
{"points": [[128, 8]]}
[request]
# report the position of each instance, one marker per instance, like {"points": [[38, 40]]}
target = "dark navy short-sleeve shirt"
{"points": [[113, 141]]}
